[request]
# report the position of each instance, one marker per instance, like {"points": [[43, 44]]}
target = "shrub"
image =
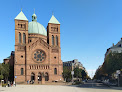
{"points": [[4, 85]]}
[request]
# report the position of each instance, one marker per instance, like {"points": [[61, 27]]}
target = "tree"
{"points": [[113, 62], [4, 71], [1, 70], [84, 74], [1, 77], [66, 74], [77, 73]]}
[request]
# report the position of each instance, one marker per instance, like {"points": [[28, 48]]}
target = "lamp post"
{"points": [[118, 80], [118, 73], [72, 73], [92, 78]]}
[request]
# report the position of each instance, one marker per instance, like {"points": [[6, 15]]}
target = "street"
{"points": [[96, 87], [87, 87], [91, 84]]}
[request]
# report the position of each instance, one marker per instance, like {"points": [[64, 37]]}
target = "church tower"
{"points": [[53, 32], [53, 39], [21, 40]]}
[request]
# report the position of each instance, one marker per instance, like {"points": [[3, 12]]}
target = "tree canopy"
{"points": [[112, 62], [4, 71]]}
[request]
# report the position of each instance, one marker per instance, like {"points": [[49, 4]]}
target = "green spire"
{"points": [[34, 17], [21, 16], [53, 20]]}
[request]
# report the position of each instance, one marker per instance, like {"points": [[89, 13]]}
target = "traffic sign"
{"points": [[118, 71], [72, 72]]}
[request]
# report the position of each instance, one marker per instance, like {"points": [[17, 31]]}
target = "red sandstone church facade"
{"points": [[37, 54]]}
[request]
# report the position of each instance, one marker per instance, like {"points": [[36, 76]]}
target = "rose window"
{"points": [[39, 56]]}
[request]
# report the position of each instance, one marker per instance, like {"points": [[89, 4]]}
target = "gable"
{"points": [[37, 42]]}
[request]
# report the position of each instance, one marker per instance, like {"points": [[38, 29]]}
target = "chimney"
{"points": [[113, 44]]}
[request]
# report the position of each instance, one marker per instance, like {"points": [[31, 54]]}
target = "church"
{"points": [[37, 55]]}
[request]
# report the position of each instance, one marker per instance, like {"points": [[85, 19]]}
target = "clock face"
{"points": [[39, 56]]}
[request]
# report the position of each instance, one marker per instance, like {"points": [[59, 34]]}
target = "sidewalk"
{"points": [[113, 87], [118, 88]]}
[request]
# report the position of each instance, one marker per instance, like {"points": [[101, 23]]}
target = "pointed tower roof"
{"points": [[53, 20], [21, 16]]}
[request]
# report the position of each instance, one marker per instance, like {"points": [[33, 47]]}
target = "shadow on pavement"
{"points": [[96, 86]]}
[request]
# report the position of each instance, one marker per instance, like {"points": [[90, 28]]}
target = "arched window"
{"points": [[52, 40], [46, 76], [22, 72], [19, 37], [56, 40], [39, 76], [55, 70], [24, 40], [32, 76]]}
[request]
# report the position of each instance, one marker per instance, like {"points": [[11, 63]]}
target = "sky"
{"points": [[88, 27]]}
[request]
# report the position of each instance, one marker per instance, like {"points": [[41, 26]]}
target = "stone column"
{"points": [[43, 79]]}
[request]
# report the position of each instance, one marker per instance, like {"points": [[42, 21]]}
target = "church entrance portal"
{"points": [[32, 77], [46, 76], [39, 77]]}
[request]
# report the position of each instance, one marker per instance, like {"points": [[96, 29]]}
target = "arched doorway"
{"points": [[39, 77], [46, 76], [32, 77]]}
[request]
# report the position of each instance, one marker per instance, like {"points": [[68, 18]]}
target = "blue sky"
{"points": [[88, 27]]}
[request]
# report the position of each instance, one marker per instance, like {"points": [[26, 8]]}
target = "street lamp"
{"points": [[92, 78], [118, 73], [72, 73]]}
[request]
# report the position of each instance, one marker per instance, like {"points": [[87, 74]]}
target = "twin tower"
{"points": [[37, 50]]}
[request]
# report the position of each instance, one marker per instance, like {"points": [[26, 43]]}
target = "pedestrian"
{"points": [[8, 84], [30, 81], [14, 84], [11, 84]]}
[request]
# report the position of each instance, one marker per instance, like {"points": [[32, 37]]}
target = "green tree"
{"points": [[4, 71], [77, 73], [1, 77], [113, 62], [66, 74], [1, 72], [84, 74]]}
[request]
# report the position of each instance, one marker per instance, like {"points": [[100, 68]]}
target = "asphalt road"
{"points": [[91, 84], [96, 87]]}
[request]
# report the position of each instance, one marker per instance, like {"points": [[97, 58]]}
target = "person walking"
{"points": [[8, 84], [14, 84]]}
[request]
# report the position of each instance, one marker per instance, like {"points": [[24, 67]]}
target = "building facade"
{"points": [[115, 48], [37, 50], [10, 60], [71, 65]]}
